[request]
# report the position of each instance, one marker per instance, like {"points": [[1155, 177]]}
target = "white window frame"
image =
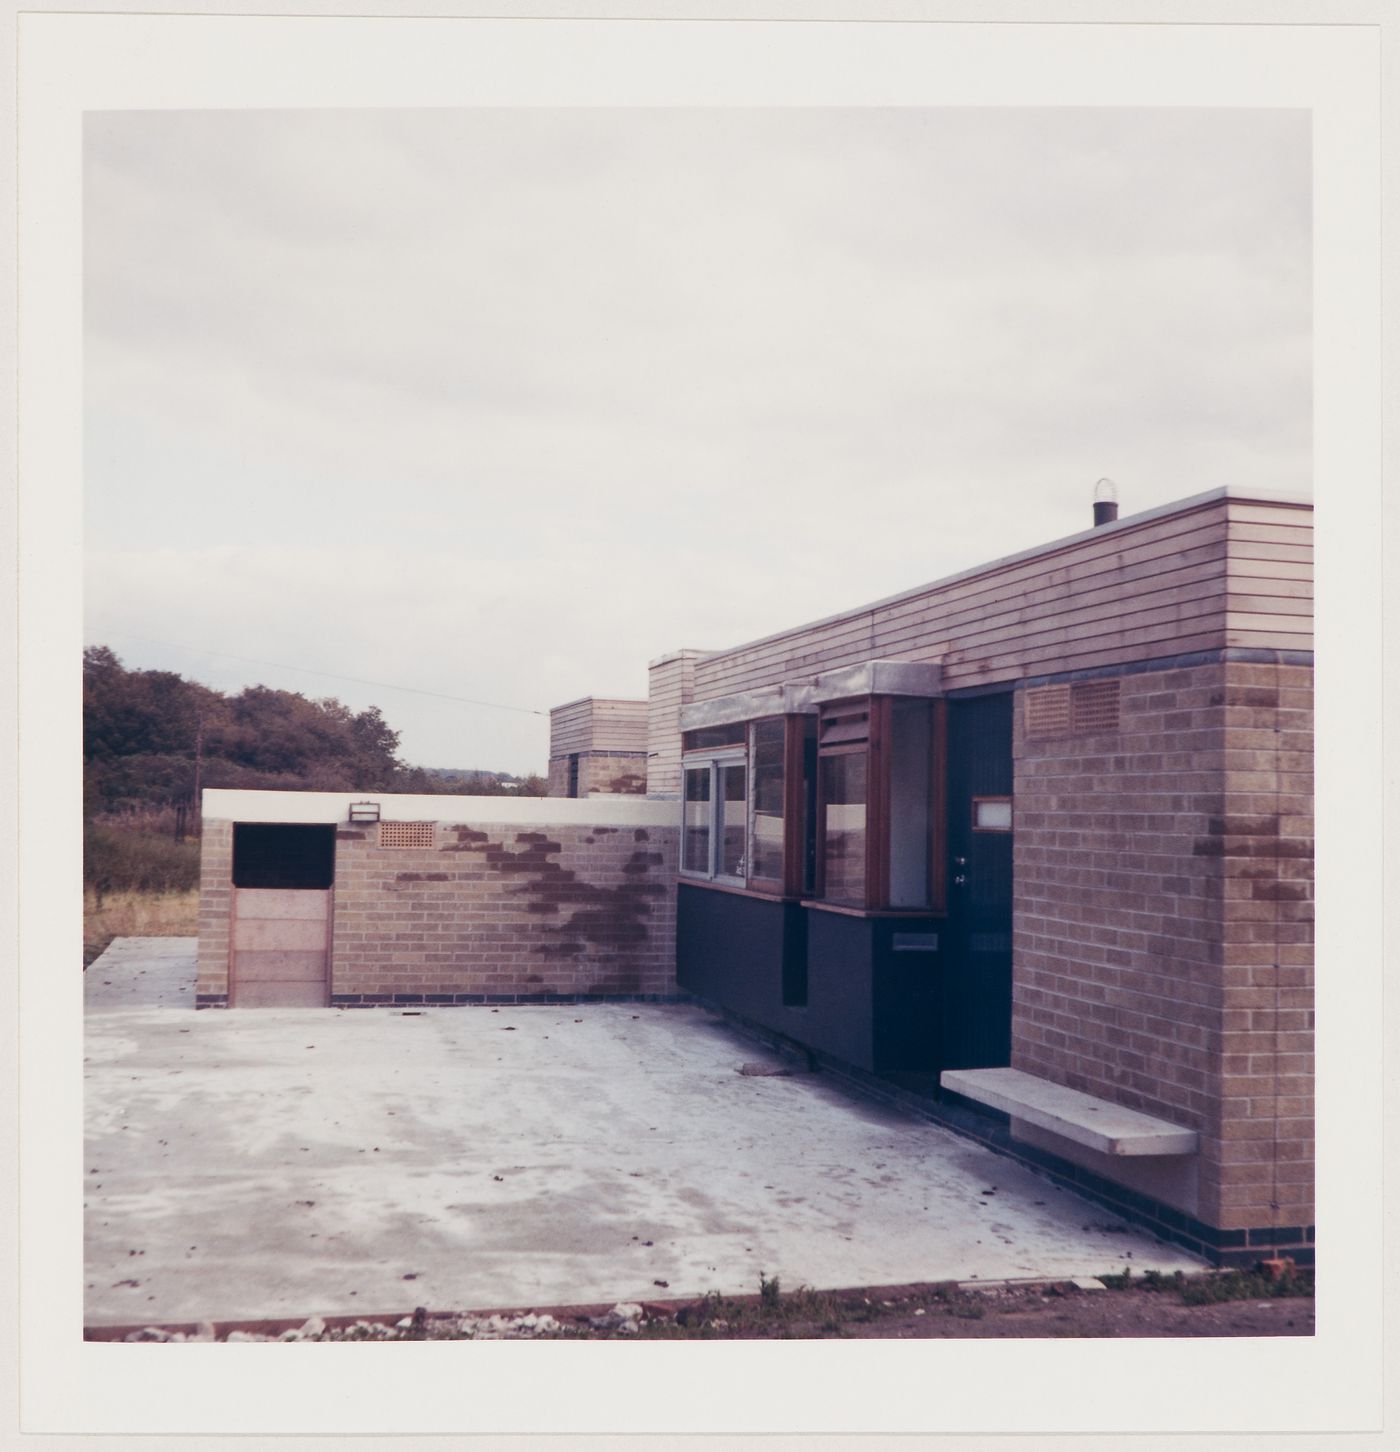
{"points": [[716, 761]]}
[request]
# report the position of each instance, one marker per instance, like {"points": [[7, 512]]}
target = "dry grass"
{"points": [[137, 915]]}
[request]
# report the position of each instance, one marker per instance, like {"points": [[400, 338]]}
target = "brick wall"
{"points": [[617, 773], [505, 911], [1163, 923], [1262, 1171], [215, 905]]}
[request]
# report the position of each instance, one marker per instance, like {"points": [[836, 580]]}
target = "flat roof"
{"points": [[224, 804], [1287, 498]]}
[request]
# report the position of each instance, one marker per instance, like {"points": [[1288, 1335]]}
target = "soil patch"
{"points": [[1231, 1303]]}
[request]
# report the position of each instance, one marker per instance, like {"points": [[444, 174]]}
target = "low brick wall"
{"points": [[527, 909], [505, 912]]}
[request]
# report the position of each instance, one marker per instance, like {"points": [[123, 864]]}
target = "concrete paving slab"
{"points": [[280, 1162]]}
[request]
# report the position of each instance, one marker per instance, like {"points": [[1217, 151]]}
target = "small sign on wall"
{"points": [[991, 814]]}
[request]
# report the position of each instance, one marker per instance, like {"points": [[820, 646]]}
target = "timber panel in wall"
{"points": [[1227, 572], [279, 948]]}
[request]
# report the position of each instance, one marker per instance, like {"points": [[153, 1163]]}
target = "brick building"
{"points": [[598, 746], [310, 899], [1032, 842], [1035, 840]]}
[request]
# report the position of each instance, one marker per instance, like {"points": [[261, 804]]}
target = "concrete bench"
{"points": [[1096, 1123]]}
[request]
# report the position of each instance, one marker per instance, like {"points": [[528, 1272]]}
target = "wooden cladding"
{"points": [[1227, 572], [1071, 710], [594, 724]]}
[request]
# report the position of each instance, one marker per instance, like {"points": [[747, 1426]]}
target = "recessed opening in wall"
{"points": [[284, 855]]}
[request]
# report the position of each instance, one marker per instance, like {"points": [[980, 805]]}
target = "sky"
{"points": [[501, 404]]}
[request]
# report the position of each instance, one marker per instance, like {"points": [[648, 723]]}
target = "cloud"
{"points": [[529, 397]]}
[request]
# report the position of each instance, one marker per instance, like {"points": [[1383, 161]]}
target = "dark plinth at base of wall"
{"points": [[467, 1000], [211, 1000], [1224, 1248]]}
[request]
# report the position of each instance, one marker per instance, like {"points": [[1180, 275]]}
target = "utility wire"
{"points": [[332, 675]]}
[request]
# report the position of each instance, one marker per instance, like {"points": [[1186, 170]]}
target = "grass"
{"points": [[1207, 1290], [130, 914], [118, 859]]}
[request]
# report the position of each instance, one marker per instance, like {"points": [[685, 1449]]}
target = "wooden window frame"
{"points": [[877, 748], [772, 886]]}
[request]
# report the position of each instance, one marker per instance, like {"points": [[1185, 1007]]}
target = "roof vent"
{"points": [[1105, 502]]}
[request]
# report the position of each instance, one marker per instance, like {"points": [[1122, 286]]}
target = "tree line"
{"points": [[152, 740]]}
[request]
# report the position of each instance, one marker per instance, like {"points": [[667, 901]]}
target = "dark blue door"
{"points": [[975, 1016]]}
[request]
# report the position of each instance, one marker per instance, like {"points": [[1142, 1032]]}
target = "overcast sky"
{"points": [[502, 404]]}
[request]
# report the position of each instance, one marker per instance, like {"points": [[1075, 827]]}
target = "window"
{"points": [[879, 808], [768, 812], [843, 794], [715, 824], [845, 805], [695, 856]]}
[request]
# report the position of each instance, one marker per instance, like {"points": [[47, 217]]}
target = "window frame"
{"points": [[715, 760], [835, 733], [878, 748]]}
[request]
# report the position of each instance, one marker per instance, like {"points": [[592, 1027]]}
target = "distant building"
{"points": [[598, 746]]}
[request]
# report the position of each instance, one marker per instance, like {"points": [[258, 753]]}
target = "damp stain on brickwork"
{"points": [[608, 921], [1249, 836]]}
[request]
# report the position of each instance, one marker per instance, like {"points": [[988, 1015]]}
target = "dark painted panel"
{"points": [[729, 949], [907, 963], [840, 1008]]}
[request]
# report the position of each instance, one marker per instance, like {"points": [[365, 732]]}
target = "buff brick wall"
{"points": [[617, 773], [1163, 922], [215, 904], [1264, 1172], [501, 912]]}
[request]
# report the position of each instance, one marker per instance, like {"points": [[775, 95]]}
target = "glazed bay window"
{"points": [[739, 808], [842, 805], [879, 812]]}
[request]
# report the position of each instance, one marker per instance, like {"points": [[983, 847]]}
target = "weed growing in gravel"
{"points": [[1236, 1285], [1246, 1286]]}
